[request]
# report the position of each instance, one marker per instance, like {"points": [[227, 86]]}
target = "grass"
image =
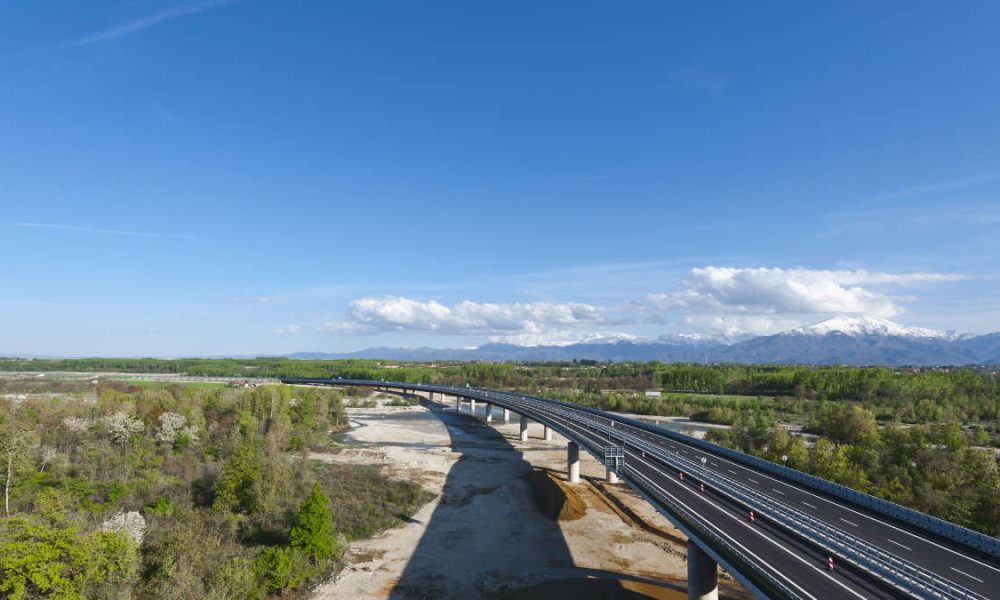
{"points": [[364, 501]]}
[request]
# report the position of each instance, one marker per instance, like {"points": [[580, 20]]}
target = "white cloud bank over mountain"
{"points": [[764, 300], [722, 301], [529, 323]]}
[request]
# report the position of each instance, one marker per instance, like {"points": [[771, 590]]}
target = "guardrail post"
{"points": [[703, 574], [524, 428], [573, 462]]}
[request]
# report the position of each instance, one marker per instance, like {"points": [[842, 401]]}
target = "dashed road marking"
{"points": [[779, 491], [753, 480], [848, 522], [892, 541], [809, 505], [966, 574], [731, 471]]}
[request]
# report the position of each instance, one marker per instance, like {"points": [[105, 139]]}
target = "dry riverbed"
{"points": [[483, 536]]}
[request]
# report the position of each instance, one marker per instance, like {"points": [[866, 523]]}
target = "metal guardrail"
{"points": [[887, 566], [957, 533], [897, 571], [906, 576]]}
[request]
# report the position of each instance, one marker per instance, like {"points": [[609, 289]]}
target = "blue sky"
{"points": [[253, 176]]}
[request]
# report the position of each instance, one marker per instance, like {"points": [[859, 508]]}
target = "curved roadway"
{"points": [[784, 551]]}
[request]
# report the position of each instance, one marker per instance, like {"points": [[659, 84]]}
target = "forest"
{"points": [[171, 491], [924, 438]]}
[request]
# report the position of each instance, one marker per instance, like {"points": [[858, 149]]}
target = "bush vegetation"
{"points": [[174, 491]]}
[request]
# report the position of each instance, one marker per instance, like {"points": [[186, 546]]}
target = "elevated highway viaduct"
{"points": [[780, 532]]}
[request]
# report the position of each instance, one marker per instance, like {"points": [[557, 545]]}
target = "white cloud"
{"points": [[762, 300], [529, 322], [290, 328], [736, 325], [562, 337], [250, 299], [789, 291], [121, 232], [142, 23]]}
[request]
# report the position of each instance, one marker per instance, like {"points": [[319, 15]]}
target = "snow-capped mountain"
{"points": [[839, 340], [865, 326]]}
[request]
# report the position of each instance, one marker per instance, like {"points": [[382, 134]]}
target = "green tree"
{"points": [[236, 489], [311, 532], [41, 560], [15, 444]]}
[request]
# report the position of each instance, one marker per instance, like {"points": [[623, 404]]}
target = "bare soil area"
{"points": [[486, 534]]}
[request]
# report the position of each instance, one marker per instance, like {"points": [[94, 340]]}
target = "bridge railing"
{"points": [[887, 566], [945, 529], [974, 539]]}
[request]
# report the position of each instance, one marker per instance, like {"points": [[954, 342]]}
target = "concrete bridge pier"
{"points": [[489, 413], [703, 574], [524, 428], [506, 415], [573, 462], [458, 404], [547, 433], [610, 476], [472, 406]]}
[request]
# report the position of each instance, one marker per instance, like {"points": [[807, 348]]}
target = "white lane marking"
{"points": [[715, 464], [860, 514], [851, 523], [866, 516], [809, 505], [779, 491], [756, 530], [892, 541], [732, 471], [753, 480], [966, 574]]}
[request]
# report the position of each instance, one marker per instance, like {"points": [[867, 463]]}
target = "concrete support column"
{"points": [[703, 574], [489, 413], [506, 415], [472, 407], [458, 404], [573, 462], [524, 428], [546, 433], [610, 476]]}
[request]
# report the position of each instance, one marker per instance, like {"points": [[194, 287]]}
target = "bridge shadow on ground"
{"points": [[486, 538]]}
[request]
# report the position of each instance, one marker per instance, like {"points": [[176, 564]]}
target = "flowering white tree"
{"points": [[171, 424], [173, 428], [78, 424], [122, 427], [130, 522], [48, 453]]}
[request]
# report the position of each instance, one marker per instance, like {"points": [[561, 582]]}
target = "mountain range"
{"points": [[839, 340]]}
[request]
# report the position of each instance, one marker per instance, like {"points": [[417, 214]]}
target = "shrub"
{"points": [[311, 532]]}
